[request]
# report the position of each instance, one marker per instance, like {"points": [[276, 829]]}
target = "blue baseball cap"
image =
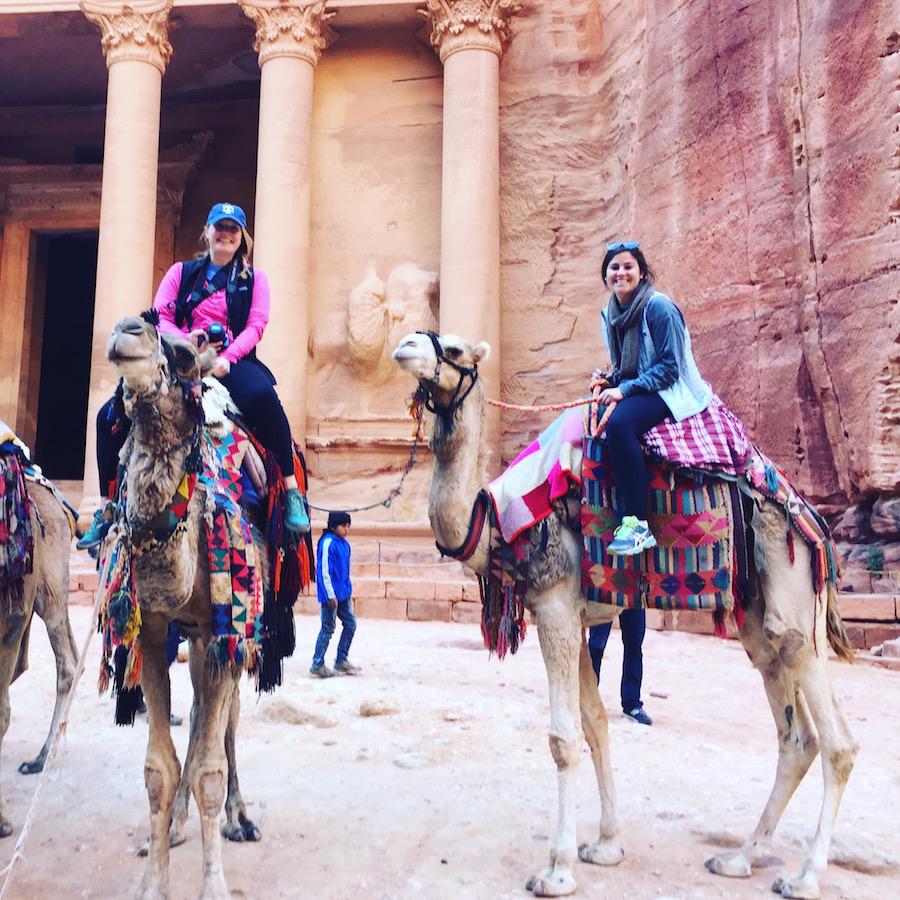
{"points": [[226, 211]]}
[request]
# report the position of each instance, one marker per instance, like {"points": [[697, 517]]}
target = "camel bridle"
{"points": [[463, 389]]}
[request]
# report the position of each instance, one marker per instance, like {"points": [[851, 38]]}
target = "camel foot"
{"points": [[245, 830], [603, 853], [804, 886], [552, 882], [151, 889], [6, 828], [214, 888], [731, 865], [31, 768]]}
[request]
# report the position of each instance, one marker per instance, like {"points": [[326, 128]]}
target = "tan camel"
{"points": [[171, 581], [46, 592], [778, 637]]}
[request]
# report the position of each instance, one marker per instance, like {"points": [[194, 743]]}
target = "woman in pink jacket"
{"points": [[219, 296]]}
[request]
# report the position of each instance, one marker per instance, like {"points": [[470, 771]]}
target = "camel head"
{"points": [[149, 363], [446, 365]]}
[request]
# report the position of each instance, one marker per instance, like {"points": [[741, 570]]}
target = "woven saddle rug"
{"points": [[699, 530], [16, 537], [235, 588]]}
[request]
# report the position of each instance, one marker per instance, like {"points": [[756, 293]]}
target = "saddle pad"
{"points": [[693, 523]]}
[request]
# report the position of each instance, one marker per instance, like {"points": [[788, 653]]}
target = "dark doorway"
{"points": [[66, 354]]}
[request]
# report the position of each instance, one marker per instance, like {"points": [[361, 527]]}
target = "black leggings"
{"points": [[632, 417], [251, 389]]}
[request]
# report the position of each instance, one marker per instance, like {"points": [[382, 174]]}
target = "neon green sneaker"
{"points": [[633, 536]]}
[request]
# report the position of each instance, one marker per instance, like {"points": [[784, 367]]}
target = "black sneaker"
{"points": [[638, 715]]}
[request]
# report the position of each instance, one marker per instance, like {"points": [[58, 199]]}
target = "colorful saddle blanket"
{"points": [[16, 537], [695, 525]]}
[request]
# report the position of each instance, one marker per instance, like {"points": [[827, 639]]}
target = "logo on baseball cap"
{"points": [[226, 211]]}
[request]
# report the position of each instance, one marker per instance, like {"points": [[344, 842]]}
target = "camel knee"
{"points": [[564, 751], [210, 791], [160, 787], [841, 762]]}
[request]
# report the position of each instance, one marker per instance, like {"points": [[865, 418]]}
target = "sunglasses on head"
{"points": [[616, 246], [225, 226]]}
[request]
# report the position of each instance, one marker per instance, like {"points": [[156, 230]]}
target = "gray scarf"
{"points": [[625, 332]]}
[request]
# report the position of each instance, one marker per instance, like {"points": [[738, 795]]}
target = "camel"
{"points": [[172, 582], [46, 592], [783, 628]]}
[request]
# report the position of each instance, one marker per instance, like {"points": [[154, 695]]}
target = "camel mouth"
{"points": [[127, 348]]}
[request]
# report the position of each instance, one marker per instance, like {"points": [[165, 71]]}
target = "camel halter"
{"points": [[461, 392]]}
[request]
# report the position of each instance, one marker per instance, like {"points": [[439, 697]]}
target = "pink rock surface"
{"points": [[752, 151]]}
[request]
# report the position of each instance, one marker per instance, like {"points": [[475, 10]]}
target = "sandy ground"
{"points": [[453, 794]]}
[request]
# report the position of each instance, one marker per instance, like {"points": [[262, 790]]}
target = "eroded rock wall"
{"points": [[752, 148]]}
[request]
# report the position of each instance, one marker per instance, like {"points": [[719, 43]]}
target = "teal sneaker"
{"points": [[94, 535], [296, 518], [633, 536]]}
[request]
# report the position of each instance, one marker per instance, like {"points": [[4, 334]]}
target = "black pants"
{"points": [[252, 390], [633, 623], [633, 417]]}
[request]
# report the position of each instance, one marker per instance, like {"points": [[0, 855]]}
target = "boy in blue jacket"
{"points": [[334, 591]]}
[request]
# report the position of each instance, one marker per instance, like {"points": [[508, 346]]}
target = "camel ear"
{"points": [[481, 352], [206, 360], [185, 359]]}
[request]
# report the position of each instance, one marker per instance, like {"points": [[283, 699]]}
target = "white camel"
{"points": [[784, 625]]}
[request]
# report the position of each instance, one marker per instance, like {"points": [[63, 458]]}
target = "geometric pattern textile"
{"points": [[692, 565]]}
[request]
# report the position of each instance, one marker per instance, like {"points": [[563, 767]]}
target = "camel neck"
{"points": [[458, 476]]}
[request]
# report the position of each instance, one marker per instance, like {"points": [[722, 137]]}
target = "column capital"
{"points": [[469, 24], [296, 28], [137, 30]]}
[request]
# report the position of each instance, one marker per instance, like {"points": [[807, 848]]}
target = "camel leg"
{"points": [[8, 657], [607, 851], [797, 748], [161, 768], [559, 631], [196, 663], [838, 749], [238, 826], [65, 653], [209, 774]]}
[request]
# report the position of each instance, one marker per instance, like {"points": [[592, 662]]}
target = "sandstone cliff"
{"points": [[752, 148]]}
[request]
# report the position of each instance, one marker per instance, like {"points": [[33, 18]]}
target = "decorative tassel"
{"points": [[790, 544], [193, 465], [719, 623]]}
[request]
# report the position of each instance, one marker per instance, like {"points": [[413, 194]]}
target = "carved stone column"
{"points": [[469, 36], [290, 37], [135, 43]]}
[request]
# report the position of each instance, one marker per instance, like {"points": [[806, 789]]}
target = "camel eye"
{"points": [[452, 352]]}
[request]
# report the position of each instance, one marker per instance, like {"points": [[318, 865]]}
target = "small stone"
{"points": [[369, 708], [412, 761]]}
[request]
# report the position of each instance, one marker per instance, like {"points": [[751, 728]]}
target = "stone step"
{"points": [[869, 607]]}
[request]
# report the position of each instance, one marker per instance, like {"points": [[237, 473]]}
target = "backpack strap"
{"points": [[189, 272]]}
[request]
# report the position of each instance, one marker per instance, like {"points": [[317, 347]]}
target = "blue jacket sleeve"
{"points": [[667, 330]]}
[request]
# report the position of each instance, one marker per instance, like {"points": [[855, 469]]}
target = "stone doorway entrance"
{"points": [[66, 267]]}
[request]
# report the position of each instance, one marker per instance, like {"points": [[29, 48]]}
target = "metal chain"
{"points": [[394, 492]]}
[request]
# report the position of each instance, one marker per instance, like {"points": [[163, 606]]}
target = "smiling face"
{"points": [[623, 274], [224, 239]]}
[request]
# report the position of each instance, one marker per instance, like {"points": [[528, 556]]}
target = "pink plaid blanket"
{"points": [[712, 441]]}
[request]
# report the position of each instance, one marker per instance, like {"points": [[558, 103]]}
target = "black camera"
{"points": [[217, 333]]}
